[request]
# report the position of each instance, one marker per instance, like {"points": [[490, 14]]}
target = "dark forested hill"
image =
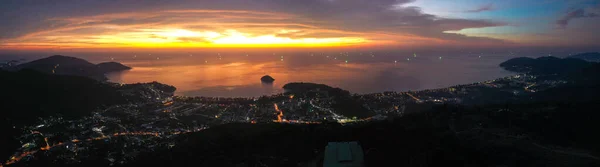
{"points": [[590, 56], [544, 65], [107, 67], [28, 95], [64, 65], [584, 86], [343, 102], [507, 135]]}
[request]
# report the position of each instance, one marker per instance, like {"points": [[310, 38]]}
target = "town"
{"points": [[124, 131]]}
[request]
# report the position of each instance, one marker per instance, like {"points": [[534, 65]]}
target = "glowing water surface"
{"points": [[238, 74]]}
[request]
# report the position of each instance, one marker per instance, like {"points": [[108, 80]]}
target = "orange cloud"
{"points": [[217, 28], [183, 29]]}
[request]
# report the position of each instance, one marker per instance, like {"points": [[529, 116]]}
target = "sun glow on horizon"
{"points": [[168, 30], [183, 38]]}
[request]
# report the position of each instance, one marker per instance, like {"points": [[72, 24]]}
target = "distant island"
{"points": [[65, 65], [108, 67], [267, 79], [590, 56]]}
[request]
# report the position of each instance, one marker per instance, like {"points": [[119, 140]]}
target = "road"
{"points": [[416, 99], [335, 116]]}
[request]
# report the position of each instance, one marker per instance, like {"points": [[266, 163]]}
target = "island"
{"points": [[65, 65], [109, 67], [267, 79]]}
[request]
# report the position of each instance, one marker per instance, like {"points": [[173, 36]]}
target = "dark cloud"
{"points": [[487, 7], [563, 22]]}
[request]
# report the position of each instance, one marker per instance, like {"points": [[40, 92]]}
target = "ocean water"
{"points": [[237, 74]]}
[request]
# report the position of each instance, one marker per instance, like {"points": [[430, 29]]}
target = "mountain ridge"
{"points": [[589, 56], [544, 65], [66, 65]]}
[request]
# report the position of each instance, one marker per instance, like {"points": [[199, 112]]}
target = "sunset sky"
{"points": [[112, 24]]}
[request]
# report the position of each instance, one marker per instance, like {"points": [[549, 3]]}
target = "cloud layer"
{"points": [[207, 23]]}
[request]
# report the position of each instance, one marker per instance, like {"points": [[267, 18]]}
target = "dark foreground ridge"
{"points": [[29, 95], [512, 135]]}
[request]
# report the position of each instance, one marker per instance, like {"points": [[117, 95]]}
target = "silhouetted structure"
{"points": [[343, 154]]}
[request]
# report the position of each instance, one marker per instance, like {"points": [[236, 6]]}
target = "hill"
{"points": [[112, 67], [64, 65], [29, 95], [544, 65], [512, 135], [583, 86], [590, 56], [343, 102], [8, 64], [312, 88]]}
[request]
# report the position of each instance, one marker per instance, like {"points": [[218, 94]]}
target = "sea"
{"points": [[237, 74]]}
